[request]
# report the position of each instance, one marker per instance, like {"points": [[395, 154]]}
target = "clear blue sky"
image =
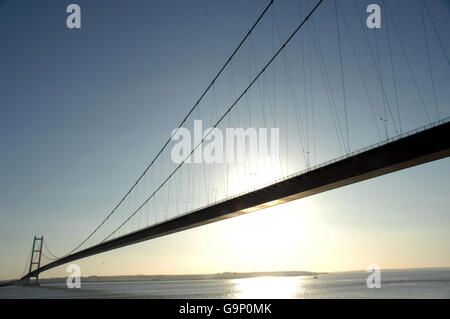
{"points": [[82, 112]]}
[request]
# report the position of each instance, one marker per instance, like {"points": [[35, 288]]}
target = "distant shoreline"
{"points": [[225, 275]]}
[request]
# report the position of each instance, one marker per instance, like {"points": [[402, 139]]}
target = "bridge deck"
{"points": [[413, 149]]}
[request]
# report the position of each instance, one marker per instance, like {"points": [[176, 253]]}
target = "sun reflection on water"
{"points": [[269, 287]]}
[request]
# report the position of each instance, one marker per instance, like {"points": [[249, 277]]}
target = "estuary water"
{"points": [[417, 283]]}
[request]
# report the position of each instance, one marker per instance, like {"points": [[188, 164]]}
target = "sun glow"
{"points": [[270, 236]]}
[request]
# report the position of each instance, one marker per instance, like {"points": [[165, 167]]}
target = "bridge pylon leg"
{"points": [[35, 261]]}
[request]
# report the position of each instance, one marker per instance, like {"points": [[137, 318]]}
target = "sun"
{"points": [[267, 237]]}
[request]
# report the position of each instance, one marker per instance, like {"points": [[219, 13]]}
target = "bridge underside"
{"points": [[421, 147]]}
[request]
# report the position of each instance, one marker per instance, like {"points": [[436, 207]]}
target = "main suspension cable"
{"points": [[179, 126], [45, 245], [221, 118]]}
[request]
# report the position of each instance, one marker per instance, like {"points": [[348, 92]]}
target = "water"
{"points": [[426, 283]]}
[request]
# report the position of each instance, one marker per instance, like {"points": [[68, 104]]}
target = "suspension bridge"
{"points": [[349, 109]]}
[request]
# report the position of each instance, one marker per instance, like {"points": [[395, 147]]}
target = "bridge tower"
{"points": [[35, 261]]}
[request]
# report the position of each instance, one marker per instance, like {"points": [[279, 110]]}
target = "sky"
{"points": [[83, 111]]}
